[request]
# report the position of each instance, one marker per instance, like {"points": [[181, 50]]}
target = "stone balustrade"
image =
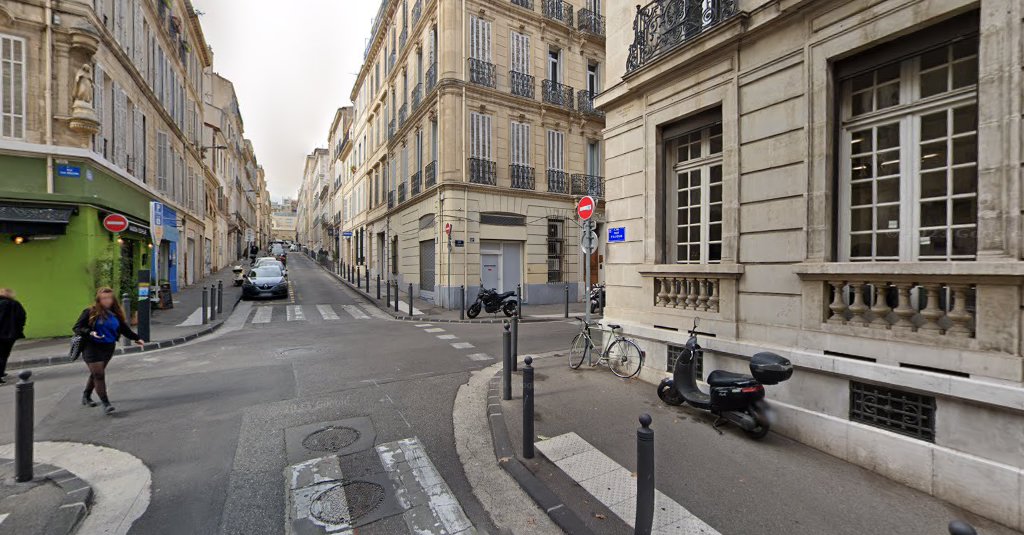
{"points": [[935, 307], [688, 293], [677, 289]]}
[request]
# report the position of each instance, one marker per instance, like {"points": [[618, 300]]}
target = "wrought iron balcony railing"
{"points": [[431, 77], [521, 85], [522, 177], [482, 73], [431, 174], [483, 172], [403, 115], [417, 12], [415, 183], [401, 193], [417, 96], [585, 104], [528, 4], [588, 185], [662, 24], [558, 181], [589, 22], [557, 94], [391, 199], [558, 10]]}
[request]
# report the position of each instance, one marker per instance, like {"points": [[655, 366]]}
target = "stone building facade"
{"points": [[476, 117], [837, 182]]}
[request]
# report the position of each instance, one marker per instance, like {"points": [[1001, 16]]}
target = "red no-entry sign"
{"points": [[115, 223], [448, 229], [585, 208]]}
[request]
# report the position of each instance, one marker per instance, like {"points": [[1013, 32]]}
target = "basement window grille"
{"points": [[894, 410], [503, 220], [673, 354]]}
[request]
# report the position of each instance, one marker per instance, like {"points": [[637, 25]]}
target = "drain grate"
{"points": [[331, 439], [346, 503]]}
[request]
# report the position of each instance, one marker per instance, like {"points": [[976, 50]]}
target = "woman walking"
{"points": [[12, 327], [100, 326]]}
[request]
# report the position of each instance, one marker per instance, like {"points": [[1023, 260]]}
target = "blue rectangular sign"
{"points": [[616, 234], [69, 170], [347, 233]]}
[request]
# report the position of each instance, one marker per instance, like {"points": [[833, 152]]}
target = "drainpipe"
{"points": [[48, 95], [465, 173]]}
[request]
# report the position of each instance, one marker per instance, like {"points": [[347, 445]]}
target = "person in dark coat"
{"points": [[100, 326], [12, 327]]}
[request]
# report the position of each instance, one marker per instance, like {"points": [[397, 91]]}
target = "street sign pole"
{"points": [[586, 269]]}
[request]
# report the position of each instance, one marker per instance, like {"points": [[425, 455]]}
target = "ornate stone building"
{"points": [[838, 182]]}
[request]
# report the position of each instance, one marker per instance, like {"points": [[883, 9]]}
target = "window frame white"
{"points": [[704, 165], [16, 119]]}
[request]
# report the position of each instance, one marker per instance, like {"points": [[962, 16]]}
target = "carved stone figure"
{"points": [[84, 86], [83, 117]]}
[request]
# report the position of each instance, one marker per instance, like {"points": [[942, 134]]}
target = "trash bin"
{"points": [[166, 299]]}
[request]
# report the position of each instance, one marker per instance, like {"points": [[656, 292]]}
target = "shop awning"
{"points": [[34, 219]]}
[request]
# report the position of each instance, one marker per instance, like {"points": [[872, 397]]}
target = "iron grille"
{"points": [[431, 174], [590, 22], [698, 361], [662, 24], [585, 103], [521, 85], [401, 193], [557, 94], [894, 410], [587, 185], [417, 96], [522, 177], [431, 77], [482, 73], [483, 172], [426, 221], [528, 4], [403, 114], [503, 220], [558, 181], [415, 182], [558, 10]]}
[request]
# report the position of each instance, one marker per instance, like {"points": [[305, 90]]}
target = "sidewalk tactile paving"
{"points": [[587, 465], [612, 487], [562, 446]]}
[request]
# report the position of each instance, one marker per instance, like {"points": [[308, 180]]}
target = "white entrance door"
{"points": [[501, 265]]}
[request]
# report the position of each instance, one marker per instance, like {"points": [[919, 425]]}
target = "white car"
{"points": [[270, 261]]}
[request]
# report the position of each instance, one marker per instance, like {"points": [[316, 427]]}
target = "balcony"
{"points": [[558, 10], [557, 94], [522, 177], [558, 181], [585, 104], [403, 115], [417, 12], [415, 183], [589, 22], [431, 77], [588, 185], [528, 4], [681, 289], [482, 73], [417, 96], [521, 85], [662, 24], [431, 174], [483, 172], [401, 193]]}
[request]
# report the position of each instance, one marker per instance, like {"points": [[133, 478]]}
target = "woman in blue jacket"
{"points": [[100, 327]]}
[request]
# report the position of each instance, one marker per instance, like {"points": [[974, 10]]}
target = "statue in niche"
{"points": [[83, 115], [84, 86]]}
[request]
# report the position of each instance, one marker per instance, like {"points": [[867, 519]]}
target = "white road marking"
{"points": [[447, 336], [356, 312], [295, 313], [263, 314], [479, 356], [196, 318], [408, 465], [463, 345], [434, 330], [615, 486], [3, 517], [403, 306], [327, 313], [424, 324], [375, 312]]}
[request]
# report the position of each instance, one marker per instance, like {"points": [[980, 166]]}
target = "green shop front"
{"points": [[54, 249]]}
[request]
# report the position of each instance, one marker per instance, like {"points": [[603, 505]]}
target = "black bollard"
{"points": [[378, 286], [515, 343], [644, 477], [566, 301], [462, 302], [206, 303], [220, 297], [519, 300], [396, 296], [24, 402], [367, 280], [528, 435], [126, 305], [213, 302], [506, 363], [388, 284], [144, 304], [410, 299], [959, 527]]}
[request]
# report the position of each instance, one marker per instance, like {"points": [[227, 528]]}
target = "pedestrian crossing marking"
{"points": [[479, 356], [327, 313], [447, 336], [434, 330], [295, 313], [262, 315], [424, 324], [463, 345], [356, 312]]}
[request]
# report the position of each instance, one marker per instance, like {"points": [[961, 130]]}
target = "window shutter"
{"points": [[98, 104], [520, 53], [139, 149], [12, 91], [556, 148]]}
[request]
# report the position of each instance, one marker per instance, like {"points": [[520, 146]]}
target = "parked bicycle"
{"points": [[621, 355]]}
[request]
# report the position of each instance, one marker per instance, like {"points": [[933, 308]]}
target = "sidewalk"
{"points": [[54, 502], [170, 327], [708, 481]]}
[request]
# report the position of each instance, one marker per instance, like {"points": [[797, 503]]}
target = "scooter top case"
{"points": [[770, 369], [733, 391]]}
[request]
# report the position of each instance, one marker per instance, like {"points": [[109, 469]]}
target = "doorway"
{"points": [[501, 265], [427, 257]]}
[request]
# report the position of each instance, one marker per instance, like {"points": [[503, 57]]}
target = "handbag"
{"points": [[76, 347]]}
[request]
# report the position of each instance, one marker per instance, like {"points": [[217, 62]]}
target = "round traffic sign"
{"points": [[448, 229], [115, 223], [585, 208], [589, 242]]}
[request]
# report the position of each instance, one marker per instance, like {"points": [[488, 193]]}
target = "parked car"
{"points": [[270, 261], [279, 253], [265, 281]]}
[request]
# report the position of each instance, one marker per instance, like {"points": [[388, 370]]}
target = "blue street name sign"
{"points": [[616, 234], [347, 233], [69, 170]]}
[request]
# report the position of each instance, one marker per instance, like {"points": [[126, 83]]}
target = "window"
{"points": [[12, 87], [433, 141], [480, 39], [554, 64], [161, 161], [592, 77], [594, 158], [519, 145], [909, 158], [480, 136], [694, 200], [556, 242], [520, 47], [556, 151]]}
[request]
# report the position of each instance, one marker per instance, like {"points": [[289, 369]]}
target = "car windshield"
{"points": [[267, 271]]}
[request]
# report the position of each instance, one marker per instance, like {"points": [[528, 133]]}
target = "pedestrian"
{"points": [[100, 326], [12, 327]]}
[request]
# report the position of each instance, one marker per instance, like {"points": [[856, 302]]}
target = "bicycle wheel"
{"points": [[625, 358], [578, 351]]}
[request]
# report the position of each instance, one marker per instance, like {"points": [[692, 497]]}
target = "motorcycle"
{"points": [[492, 301], [239, 272], [597, 298], [734, 397]]}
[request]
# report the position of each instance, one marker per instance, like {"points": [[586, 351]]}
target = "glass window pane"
{"points": [[715, 212], [694, 234], [934, 184], [933, 155], [860, 219], [965, 73], [715, 145], [965, 48], [887, 73], [715, 174], [888, 95], [965, 241], [965, 180], [933, 125], [965, 211], [860, 246], [714, 252], [681, 253], [715, 194], [887, 244], [965, 119], [888, 163], [934, 58], [934, 82], [863, 81], [888, 217], [933, 213], [861, 193], [694, 253], [860, 167], [695, 215], [861, 103], [715, 232], [888, 190], [860, 142], [965, 149], [888, 136]]}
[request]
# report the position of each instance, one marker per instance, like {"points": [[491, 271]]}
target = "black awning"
{"points": [[27, 218]]}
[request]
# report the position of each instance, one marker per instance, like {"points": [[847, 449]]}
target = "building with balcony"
{"points": [[476, 116], [837, 182], [340, 142]]}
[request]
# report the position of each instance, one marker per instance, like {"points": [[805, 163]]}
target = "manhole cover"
{"points": [[331, 506], [331, 439]]}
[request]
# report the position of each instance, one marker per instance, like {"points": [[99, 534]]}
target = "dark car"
{"points": [[265, 281]]}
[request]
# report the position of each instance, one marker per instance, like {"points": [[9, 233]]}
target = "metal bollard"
{"points": [[566, 301], [388, 284], [126, 305], [206, 303], [528, 434], [462, 302], [378, 286], [24, 409], [644, 477], [213, 302], [220, 297], [410, 299], [515, 343], [396, 296], [506, 364], [519, 300], [367, 280], [959, 527]]}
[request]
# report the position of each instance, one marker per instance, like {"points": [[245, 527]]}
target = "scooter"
{"points": [[239, 272], [492, 301], [597, 298], [734, 397]]}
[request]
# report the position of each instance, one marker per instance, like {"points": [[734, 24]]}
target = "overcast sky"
{"points": [[293, 64]]}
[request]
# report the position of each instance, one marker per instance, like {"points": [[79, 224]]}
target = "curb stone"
{"points": [[78, 497]]}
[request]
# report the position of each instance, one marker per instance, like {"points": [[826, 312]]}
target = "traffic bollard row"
{"points": [[506, 363], [24, 415], [529, 436], [644, 477]]}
